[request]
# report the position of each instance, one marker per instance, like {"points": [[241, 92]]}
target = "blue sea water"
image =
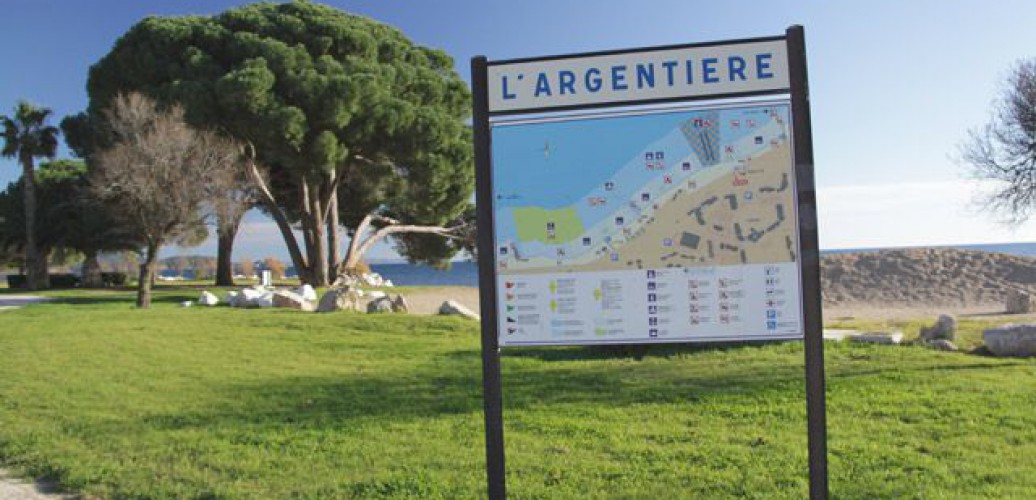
{"points": [[401, 274], [466, 273]]}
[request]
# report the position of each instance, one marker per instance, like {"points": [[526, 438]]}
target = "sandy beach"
{"points": [[427, 301]]}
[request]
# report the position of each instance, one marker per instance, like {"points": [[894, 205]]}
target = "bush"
{"points": [[16, 280], [56, 281], [64, 281], [113, 279]]}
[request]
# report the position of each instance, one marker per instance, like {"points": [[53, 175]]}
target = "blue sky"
{"points": [[895, 85]]}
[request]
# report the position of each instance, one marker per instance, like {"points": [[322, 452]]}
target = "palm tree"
{"points": [[26, 137]]}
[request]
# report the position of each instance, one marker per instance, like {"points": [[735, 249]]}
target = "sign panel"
{"points": [[665, 226], [750, 67], [644, 225]]}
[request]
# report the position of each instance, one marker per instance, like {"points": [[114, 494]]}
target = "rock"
{"points": [[387, 284], [885, 338], [1019, 302], [839, 335], [400, 305], [265, 299], [307, 292], [453, 307], [231, 298], [380, 305], [340, 299], [208, 299], [377, 294], [1018, 340], [943, 345], [292, 300], [944, 328], [253, 297], [187, 303]]}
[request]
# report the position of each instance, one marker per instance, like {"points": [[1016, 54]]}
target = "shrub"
{"points": [[114, 279], [64, 281], [16, 281]]}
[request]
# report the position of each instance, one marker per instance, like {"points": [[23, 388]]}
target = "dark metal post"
{"points": [[816, 404], [491, 392]]}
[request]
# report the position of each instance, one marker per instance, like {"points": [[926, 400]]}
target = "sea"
{"points": [[465, 273]]}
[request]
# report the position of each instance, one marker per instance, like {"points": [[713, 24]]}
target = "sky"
{"points": [[895, 85]]}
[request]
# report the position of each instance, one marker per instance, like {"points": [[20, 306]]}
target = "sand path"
{"points": [[428, 301]]}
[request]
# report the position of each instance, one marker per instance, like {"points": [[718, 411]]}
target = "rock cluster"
{"points": [[374, 280]]}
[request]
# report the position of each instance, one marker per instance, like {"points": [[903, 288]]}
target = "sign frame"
{"points": [[809, 254]]}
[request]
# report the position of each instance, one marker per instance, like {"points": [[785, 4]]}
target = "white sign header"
{"points": [[639, 76]]}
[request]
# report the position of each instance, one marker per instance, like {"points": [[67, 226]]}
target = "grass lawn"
{"points": [[225, 403]]}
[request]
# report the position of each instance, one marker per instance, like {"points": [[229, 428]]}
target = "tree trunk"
{"points": [[92, 271], [333, 237], [226, 232], [319, 259], [32, 267], [278, 216], [224, 260], [147, 275], [42, 268]]}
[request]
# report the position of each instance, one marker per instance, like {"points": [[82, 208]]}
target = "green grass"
{"points": [[223, 403]]}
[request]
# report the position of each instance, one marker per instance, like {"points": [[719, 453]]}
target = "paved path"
{"points": [[16, 301], [15, 489]]}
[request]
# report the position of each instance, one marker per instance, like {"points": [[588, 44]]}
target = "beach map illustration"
{"points": [[674, 225]]}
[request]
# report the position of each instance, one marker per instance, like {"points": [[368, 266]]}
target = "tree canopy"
{"points": [[341, 109]]}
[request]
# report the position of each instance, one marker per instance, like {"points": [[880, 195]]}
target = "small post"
{"points": [[816, 399], [492, 395]]}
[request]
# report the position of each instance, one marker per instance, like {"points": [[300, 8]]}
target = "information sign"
{"points": [[615, 208], [667, 226]]}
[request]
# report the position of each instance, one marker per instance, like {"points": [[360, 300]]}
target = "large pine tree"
{"points": [[358, 127]]}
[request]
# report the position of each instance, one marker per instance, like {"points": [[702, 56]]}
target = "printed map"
{"points": [[685, 188]]}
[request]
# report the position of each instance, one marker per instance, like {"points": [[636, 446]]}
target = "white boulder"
{"points": [[1017, 340], [208, 299], [878, 338], [253, 297], [307, 292], [339, 299], [1019, 301], [400, 304], [380, 305], [944, 328], [291, 300], [452, 307], [377, 294]]}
